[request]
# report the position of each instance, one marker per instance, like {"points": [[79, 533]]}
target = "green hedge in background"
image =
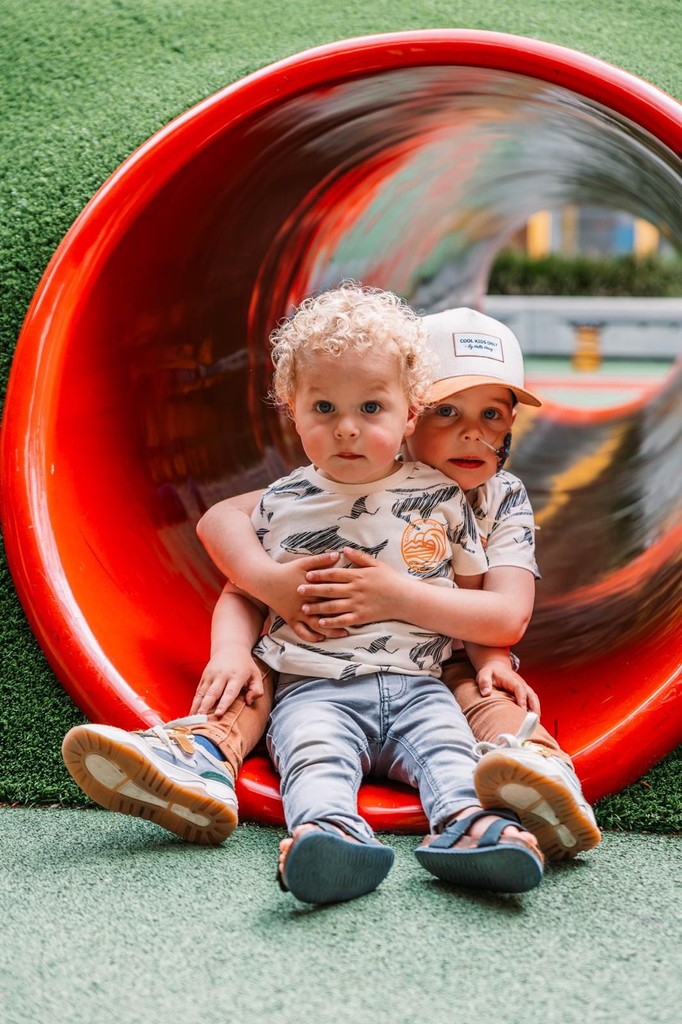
{"points": [[516, 273]]}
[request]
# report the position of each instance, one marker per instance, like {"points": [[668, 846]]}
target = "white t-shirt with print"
{"points": [[506, 525], [416, 520], [505, 521]]}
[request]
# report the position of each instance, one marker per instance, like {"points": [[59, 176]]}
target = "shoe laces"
{"points": [[176, 733], [509, 739]]}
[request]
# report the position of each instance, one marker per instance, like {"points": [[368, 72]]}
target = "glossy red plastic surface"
{"points": [[135, 399]]}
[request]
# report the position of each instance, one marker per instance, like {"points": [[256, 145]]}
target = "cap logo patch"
{"points": [[483, 346]]}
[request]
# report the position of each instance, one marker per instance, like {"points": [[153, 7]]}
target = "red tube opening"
{"points": [[136, 394]]}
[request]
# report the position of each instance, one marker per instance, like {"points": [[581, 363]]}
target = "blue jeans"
{"points": [[326, 734]]}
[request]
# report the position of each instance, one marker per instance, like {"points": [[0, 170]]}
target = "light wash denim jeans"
{"points": [[326, 734]]}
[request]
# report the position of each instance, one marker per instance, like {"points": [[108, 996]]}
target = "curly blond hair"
{"points": [[355, 317]]}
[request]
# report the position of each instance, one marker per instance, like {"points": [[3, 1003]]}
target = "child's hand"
{"points": [[351, 597], [499, 675], [229, 671], [284, 597]]}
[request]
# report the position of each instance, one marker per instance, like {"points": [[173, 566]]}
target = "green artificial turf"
{"points": [[84, 83], [110, 920]]}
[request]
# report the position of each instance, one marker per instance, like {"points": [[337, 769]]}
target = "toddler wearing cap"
{"points": [[466, 433]]}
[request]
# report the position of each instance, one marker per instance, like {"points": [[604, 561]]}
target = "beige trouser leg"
{"points": [[498, 713], [242, 726]]}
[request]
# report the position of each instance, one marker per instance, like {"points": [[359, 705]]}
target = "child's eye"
{"points": [[371, 407], [445, 411], [491, 414], [323, 406]]}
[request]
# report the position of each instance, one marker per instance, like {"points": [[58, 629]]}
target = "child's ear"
{"points": [[291, 413], [514, 412], [412, 417]]}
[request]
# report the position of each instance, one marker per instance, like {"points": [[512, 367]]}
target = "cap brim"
{"points": [[453, 385]]}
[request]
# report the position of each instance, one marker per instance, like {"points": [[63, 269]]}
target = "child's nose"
{"points": [[466, 430], [346, 427]]}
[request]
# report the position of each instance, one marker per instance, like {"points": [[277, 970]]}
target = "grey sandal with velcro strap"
{"points": [[324, 867], [494, 862]]}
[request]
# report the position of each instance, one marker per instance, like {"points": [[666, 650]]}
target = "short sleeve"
{"points": [[260, 519], [468, 553], [271, 500], [506, 523]]}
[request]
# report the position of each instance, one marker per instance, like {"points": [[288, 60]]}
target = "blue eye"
{"points": [[323, 407], [371, 407], [445, 411], [490, 414]]}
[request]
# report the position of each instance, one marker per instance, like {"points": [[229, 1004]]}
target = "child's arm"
{"points": [[222, 531], [494, 672], [493, 664], [235, 627], [227, 533], [497, 614], [375, 591]]}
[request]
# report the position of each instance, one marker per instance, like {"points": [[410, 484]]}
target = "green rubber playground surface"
{"points": [[109, 920]]}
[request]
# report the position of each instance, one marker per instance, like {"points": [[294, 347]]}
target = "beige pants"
{"points": [[242, 727], [498, 713]]}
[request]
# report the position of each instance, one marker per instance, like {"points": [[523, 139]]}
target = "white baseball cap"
{"points": [[471, 350]]}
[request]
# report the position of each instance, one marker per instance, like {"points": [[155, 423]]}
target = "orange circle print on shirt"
{"points": [[424, 545]]}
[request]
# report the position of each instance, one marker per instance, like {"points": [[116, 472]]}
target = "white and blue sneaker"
{"points": [[161, 774], [542, 789]]}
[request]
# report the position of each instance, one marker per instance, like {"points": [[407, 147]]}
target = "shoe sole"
{"points": [[545, 807], [503, 868], [322, 868], [119, 778]]}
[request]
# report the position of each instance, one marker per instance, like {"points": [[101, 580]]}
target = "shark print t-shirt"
{"points": [[506, 526], [416, 520], [505, 521]]}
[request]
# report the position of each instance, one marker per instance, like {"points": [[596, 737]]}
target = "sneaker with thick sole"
{"points": [[540, 788], [160, 774]]}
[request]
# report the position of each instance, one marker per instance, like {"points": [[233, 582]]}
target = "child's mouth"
{"points": [[467, 463]]}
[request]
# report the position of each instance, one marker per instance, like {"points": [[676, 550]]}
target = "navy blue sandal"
{"points": [[493, 862], [323, 867]]}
